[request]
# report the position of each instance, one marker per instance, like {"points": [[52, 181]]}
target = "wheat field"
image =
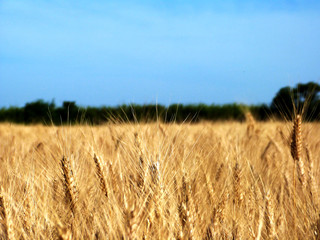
{"points": [[225, 180]]}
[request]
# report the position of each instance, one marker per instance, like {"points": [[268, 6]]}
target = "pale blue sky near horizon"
{"points": [[119, 52]]}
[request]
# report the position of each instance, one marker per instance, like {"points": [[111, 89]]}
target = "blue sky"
{"points": [[114, 52]]}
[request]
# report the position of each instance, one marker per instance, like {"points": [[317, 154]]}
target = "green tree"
{"points": [[38, 111], [303, 99]]}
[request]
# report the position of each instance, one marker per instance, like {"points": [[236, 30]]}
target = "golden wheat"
{"points": [[160, 181]]}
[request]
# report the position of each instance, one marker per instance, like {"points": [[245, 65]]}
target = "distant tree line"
{"points": [[303, 98]]}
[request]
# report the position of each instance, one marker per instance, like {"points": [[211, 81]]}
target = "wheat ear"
{"points": [[141, 172], [238, 196], [250, 124], [5, 217], [296, 148], [69, 184], [100, 175], [63, 233], [311, 180], [27, 211], [186, 212], [269, 217]]}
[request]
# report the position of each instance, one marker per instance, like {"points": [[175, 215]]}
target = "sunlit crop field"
{"points": [[159, 181]]}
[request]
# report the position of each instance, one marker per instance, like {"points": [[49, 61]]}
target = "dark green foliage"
{"points": [[70, 113], [261, 112], [37, 111], [12, 114], [304, 98]]}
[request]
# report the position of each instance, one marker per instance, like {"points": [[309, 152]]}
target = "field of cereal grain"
{"points": [[160, 181]]}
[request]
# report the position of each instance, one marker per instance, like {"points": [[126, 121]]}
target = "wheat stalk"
{"points": [[238, 195], [250, 124]]}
